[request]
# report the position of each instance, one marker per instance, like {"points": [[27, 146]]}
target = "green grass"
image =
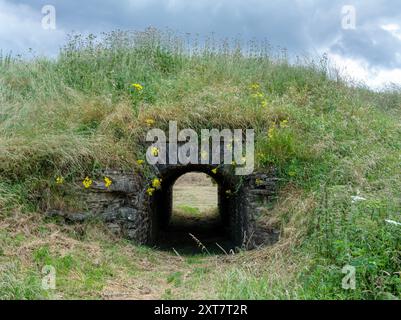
{"points": [[188, 210], [18, 285], [77, 113]]}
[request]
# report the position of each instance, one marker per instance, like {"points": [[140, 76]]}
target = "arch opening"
{"points": [[195, 219], [197, 210]]}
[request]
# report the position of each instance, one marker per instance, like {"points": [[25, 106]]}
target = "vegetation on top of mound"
{"points": [[329, 141]]}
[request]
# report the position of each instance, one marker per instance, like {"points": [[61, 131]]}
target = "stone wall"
{"points": [[127, 209]]}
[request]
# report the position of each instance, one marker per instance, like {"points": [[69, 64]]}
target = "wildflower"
{"points": [[107, 182], [156, 183], [270, 133], [264, 103], [150, 122], [87, 182], [154, 151], [150, 191], [214, 170], [392, 222], [59, 180], [258, 95], [255, 86], [357, 198], [137, 86], [140, 162], [284, 123]]}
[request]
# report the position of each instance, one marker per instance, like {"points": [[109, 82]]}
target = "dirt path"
{"points": [[187, 255], [90, 262]]}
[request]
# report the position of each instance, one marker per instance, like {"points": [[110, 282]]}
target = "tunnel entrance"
{"points": [[128, 209], [229, 223], [139, 204], [195, 224]]}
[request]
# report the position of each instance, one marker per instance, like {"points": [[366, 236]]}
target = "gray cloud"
{"points": [[378, 47]]}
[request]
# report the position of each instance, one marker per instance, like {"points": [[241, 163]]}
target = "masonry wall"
{"points": [[128, 210]]}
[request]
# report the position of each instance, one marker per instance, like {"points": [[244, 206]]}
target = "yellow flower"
{"points": [[264, 103], [156, 183], [214, 170], [140, 162], [258, 182], [137, 86], [154, 151], [107, 182], [255, 86], [258, 95], [87, 182], [150, 191], [59, 180], [150, 122], [284, 124], [271, 132]]}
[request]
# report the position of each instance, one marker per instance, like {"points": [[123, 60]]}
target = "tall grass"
{"points": [[74, 114]]}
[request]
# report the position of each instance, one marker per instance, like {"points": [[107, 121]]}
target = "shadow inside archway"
{"points": [[195, 225], [194, 235]]}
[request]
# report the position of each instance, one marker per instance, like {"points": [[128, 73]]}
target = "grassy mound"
{"points": [[336, 148]]}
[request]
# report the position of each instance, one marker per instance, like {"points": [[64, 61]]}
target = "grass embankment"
{"points": [[329, 141]]}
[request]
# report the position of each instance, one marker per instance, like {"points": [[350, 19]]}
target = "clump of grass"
{"points": [[16, 285], [188, 210]]}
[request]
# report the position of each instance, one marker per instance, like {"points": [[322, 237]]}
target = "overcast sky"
{"points": [[367, 48]]}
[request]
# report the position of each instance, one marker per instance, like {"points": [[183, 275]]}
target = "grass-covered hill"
{"points": [[336, 148]]}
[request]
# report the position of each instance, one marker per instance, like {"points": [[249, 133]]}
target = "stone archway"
{"points": [[128, 210], [234, 203]]}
